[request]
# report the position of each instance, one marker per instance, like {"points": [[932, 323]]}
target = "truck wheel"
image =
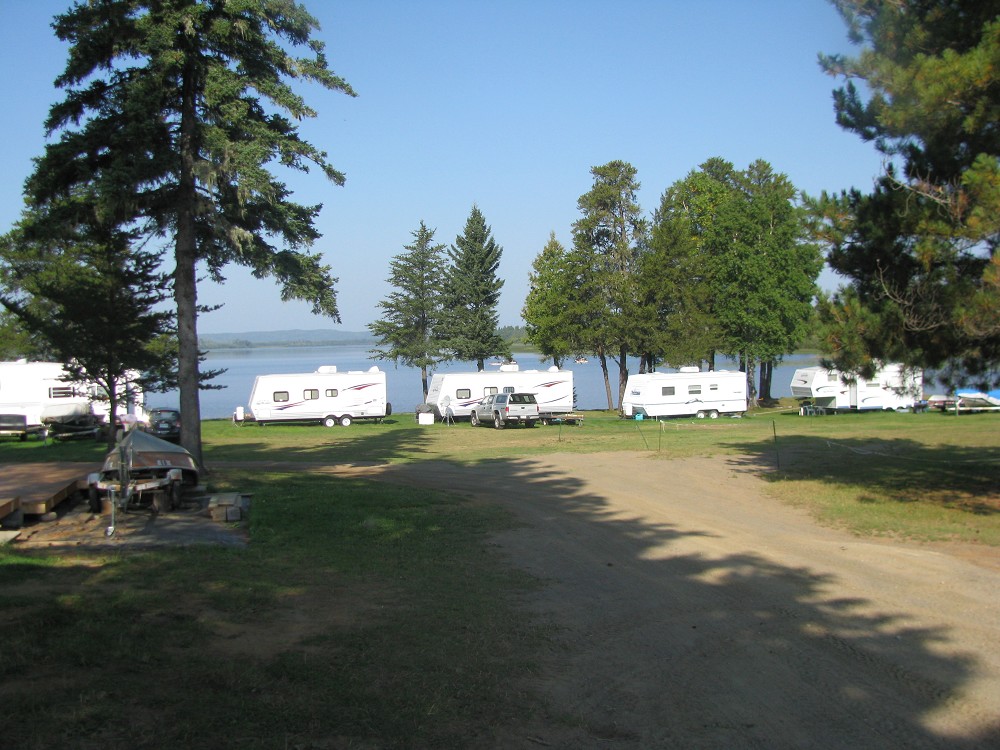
{"points": [[345, 421], [498, 422], [474, 419], [329, 422]]}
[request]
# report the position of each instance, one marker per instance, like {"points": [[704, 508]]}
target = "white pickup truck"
{"points": [[500, 409]]}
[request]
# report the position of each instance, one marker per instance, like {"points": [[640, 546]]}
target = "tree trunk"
{"points": [[423, 380], [747, 365], [622, 373], [607, 381], [185, 280], [112, 386], [766, 372]]}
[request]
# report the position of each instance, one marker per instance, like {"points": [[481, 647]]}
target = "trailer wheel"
{"points": [[93, 500], [388, 409], [498, 422], [713, 414], [474, 419], [329, 422], [161, 502], [700, 415], [345, 421]]}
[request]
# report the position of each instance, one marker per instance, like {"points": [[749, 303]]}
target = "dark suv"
{"points": [[165, 424]]}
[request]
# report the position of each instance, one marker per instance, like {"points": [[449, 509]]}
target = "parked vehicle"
{"points": [[501, 409], [970, 400], [39, 396], [164, 424], [452, 395], [143, 470], [893, 387], [325, 396], [686, 393]]}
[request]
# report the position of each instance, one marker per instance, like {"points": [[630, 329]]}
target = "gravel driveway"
{"points": [[694, 611]]}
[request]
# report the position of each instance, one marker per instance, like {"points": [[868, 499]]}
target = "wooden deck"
{"points": [[38, 488]]}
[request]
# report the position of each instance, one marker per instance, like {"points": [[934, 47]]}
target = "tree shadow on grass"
{"points": [[966, 478]]}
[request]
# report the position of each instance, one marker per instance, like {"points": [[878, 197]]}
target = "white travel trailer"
{"points": [[688, 392], [37, 395], [453, 394], [325, 396], [892, 387]]}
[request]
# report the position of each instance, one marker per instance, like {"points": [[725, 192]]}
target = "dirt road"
{"points": [[693, 611]]}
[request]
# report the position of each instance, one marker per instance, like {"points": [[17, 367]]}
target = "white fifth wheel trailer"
{"points": [[453, 394], [35, 396], [893, 387], [324, 396], [689, 392]]}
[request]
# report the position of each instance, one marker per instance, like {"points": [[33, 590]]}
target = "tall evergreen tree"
{"points": [[610, 234], [920, 250], [412, 312], [470, 294], [176, 111], [548, 309]]}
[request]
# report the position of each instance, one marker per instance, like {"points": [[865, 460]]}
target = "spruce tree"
{"points": [[412, 312], [470, 294], [175, 114]]}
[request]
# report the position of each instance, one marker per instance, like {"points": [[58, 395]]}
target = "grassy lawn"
{"points": [[369, 615]]}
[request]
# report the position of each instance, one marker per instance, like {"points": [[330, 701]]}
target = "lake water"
{"points": [[403, 383]]}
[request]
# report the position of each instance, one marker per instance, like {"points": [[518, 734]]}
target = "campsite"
{"points": [[774, 581]]}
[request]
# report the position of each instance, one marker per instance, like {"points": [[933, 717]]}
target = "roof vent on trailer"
{"points": [[509, 368], [326, 368]]}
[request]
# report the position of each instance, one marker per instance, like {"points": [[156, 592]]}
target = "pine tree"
{"points": [[920, 250], [470, 294], [412, 313], [93, 298], [609, 236], [548, 309], [176, 111]]}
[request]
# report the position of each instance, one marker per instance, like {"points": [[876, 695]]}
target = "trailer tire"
{"points": [[93, 500], [474, 419], [498, 423], [713, 414], [161, 502], [388, 409], [345, 421], [700, 415], [329, 422]]}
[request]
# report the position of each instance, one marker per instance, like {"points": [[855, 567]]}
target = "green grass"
{"points": [[370, 615]]}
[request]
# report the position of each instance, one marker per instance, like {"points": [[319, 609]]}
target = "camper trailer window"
{"points": [[332, 392], [694, 390], [508, 389], [713, 386], [489, 390], [668, 390], [310, 394], [62, 391], [280, 396], [463, 393]]}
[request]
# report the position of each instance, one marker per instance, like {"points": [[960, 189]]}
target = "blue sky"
{"points": [[506, 105]]}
